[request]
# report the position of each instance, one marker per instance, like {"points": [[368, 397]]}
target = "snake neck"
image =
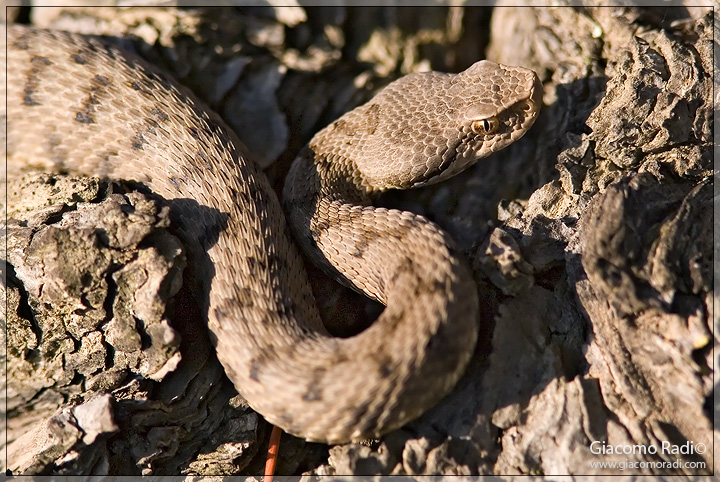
{"points": [[426, 334], [318, 173], [318, 187]]}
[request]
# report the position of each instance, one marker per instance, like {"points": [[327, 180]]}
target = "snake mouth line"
{"points": [[516, 119]]}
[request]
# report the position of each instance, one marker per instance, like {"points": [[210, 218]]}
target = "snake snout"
{"points": [[536, 95]]}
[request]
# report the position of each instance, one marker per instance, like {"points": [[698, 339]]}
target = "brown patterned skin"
{"points": [[77, 105]]}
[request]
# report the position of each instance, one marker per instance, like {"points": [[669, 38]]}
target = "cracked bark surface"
{"points": [[590, 240]]}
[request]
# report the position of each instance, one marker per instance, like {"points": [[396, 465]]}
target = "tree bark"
{"points": [[590, 240]]}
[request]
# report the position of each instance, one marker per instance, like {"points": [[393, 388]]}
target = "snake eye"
{"points": [[485, 126]]}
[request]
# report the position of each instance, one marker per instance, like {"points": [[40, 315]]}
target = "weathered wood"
{"points": [[590, 239]]}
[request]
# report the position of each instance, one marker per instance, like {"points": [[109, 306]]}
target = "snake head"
{"points": [[427, 127], [498, 105]]}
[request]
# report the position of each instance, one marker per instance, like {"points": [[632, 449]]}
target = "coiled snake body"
{"points": [[78, 105]]}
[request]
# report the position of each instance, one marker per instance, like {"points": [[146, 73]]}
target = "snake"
{"points": [[82, 105]]}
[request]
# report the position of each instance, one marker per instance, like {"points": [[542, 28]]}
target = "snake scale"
{"points": [[79, 105]]}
